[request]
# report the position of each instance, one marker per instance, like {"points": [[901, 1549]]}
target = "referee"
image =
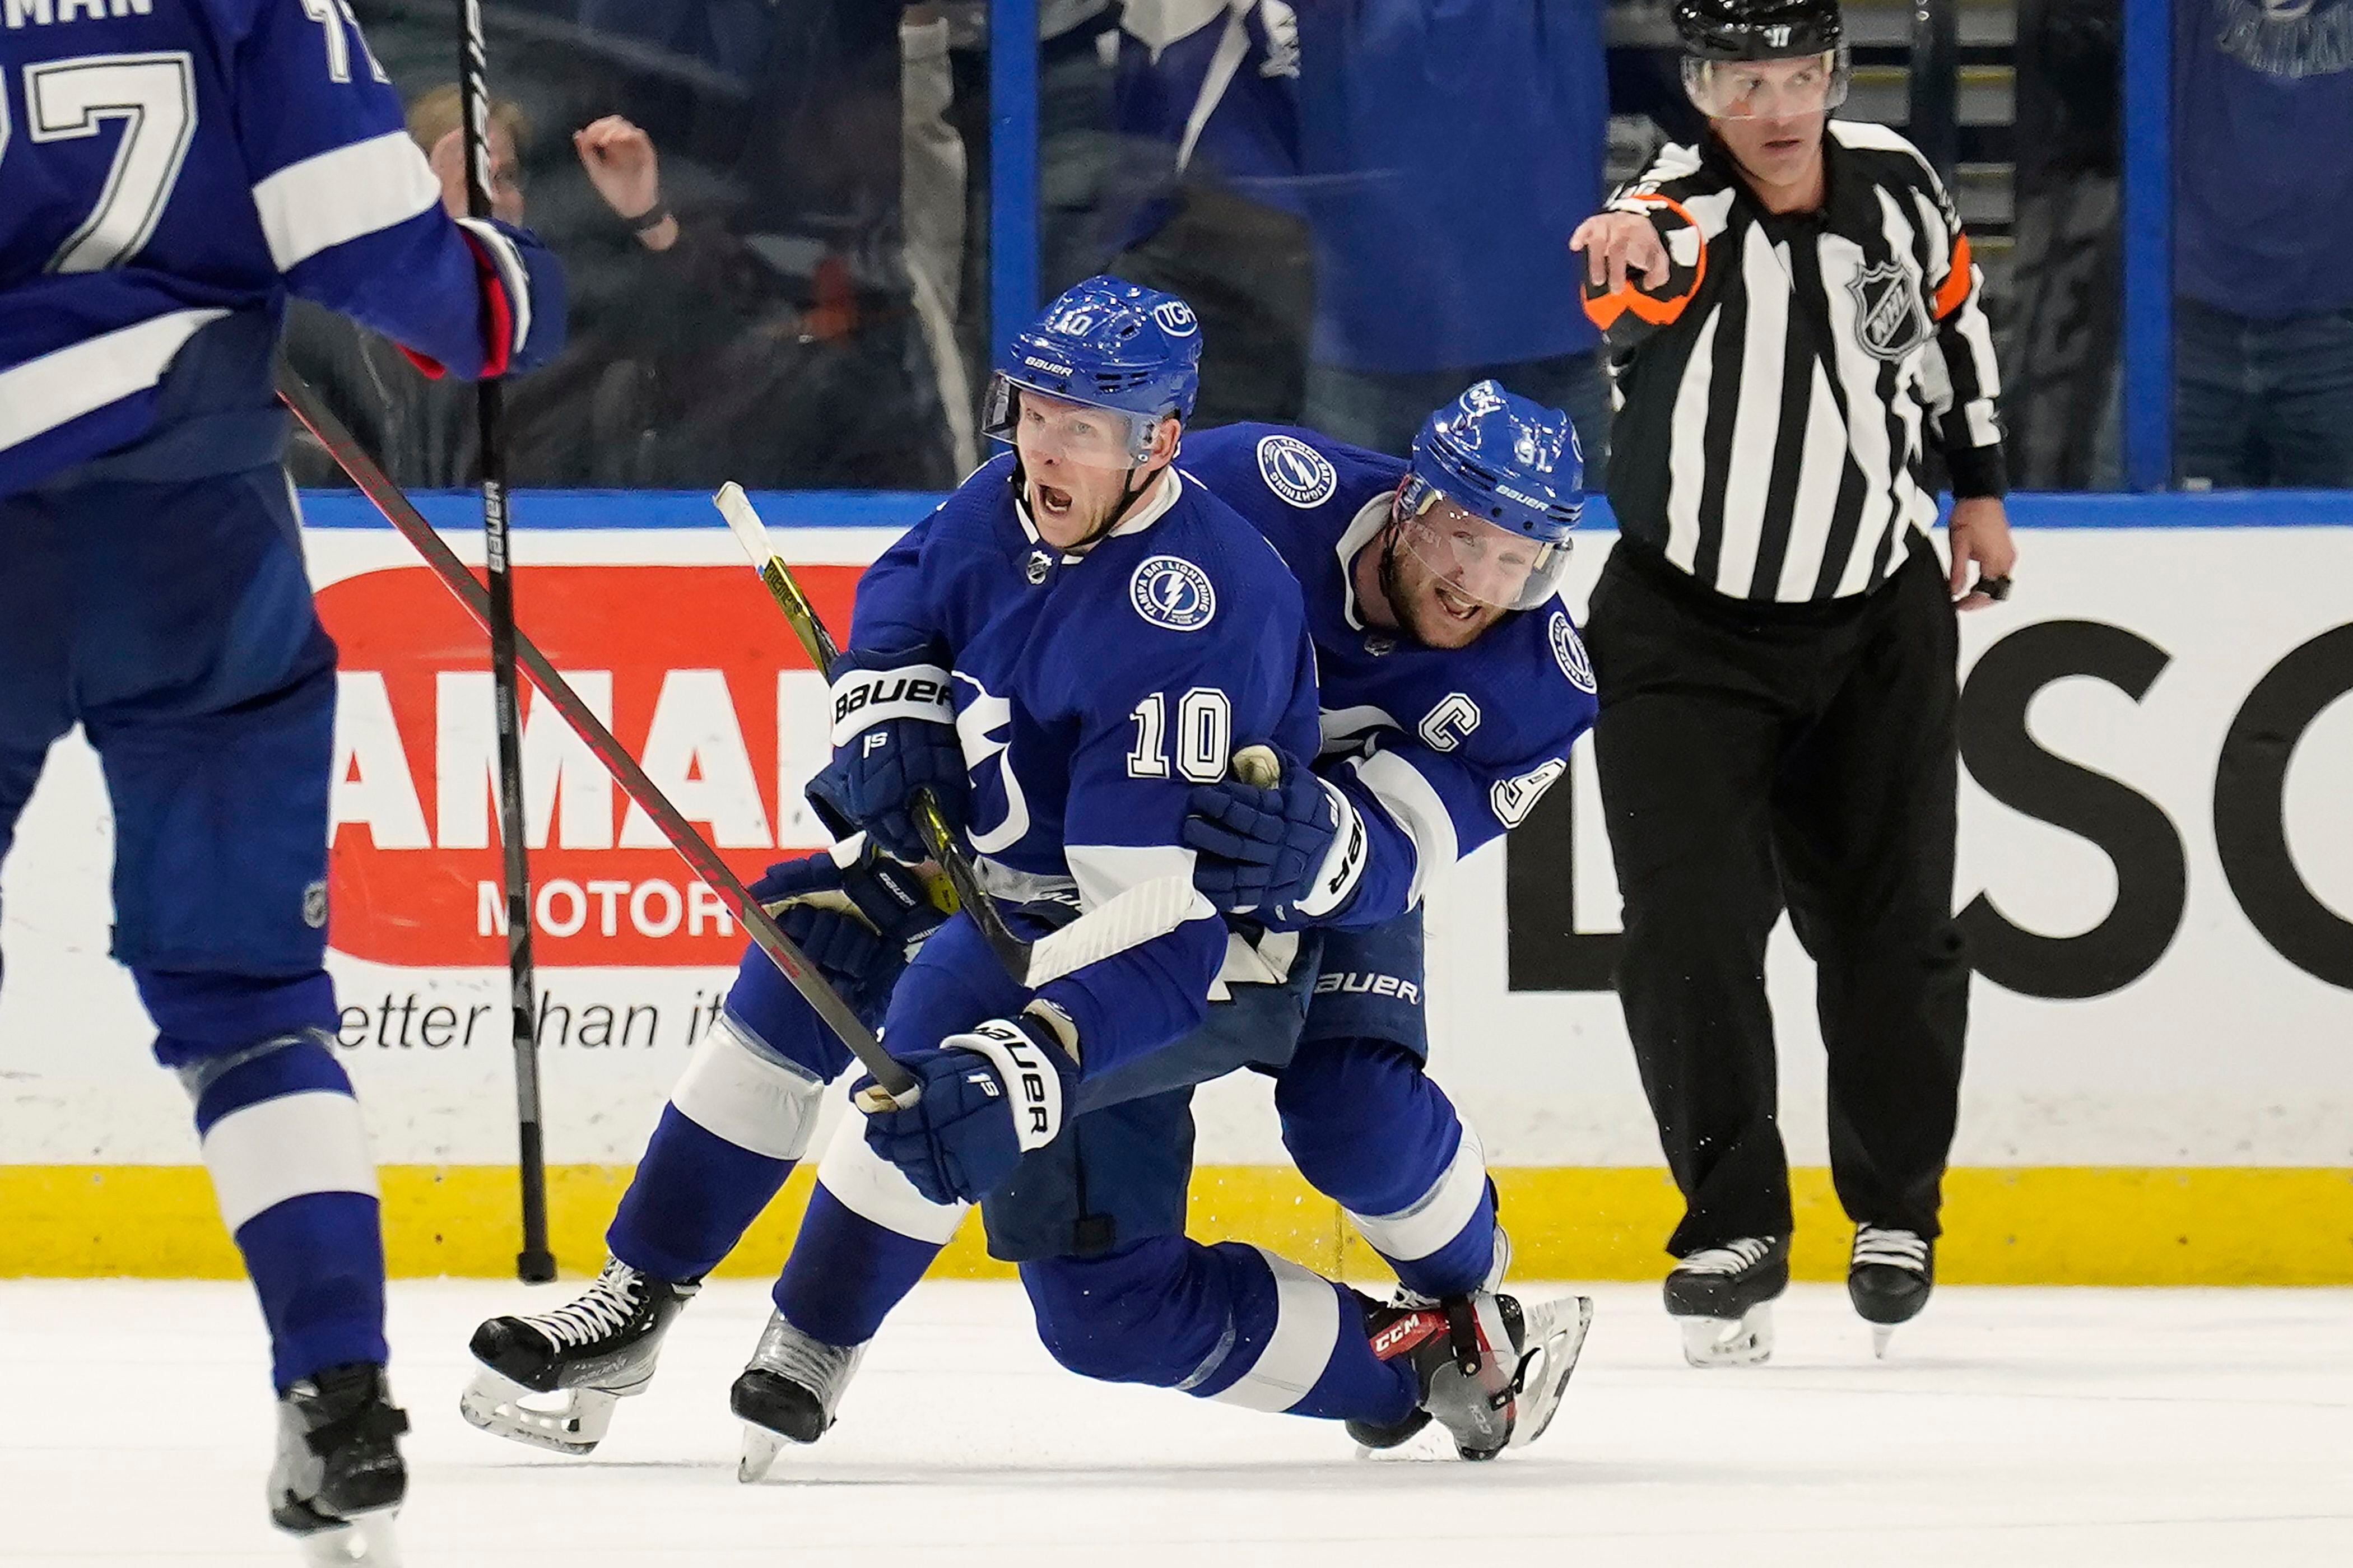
{"points": [[1794, 324]]}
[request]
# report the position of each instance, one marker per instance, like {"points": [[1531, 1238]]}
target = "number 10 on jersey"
{"points": [[1205, 733]]}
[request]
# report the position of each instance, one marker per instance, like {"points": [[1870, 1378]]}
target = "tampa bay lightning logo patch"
{"points": [[1296, 471], [1170, 591], [1570, 652]]}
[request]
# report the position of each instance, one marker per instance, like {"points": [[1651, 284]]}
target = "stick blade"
{"points": [[744, 523], [1148, 909]]}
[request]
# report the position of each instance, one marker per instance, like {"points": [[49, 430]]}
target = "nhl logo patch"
{"points": [[1888, 320], [1040, 563], [1171, 592], [1296, 471], [315, 906], [1570, 652]]}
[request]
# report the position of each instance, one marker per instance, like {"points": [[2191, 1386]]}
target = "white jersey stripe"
{"points": [[1757, 418], [65, 383], [339, 196], [1687, 452], [1414, 805]]}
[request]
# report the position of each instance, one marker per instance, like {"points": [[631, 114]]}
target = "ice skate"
{"points": [[1723, 1297], [787, 1393], [1490, 1372], [1888, 1280], [338, 1477], [591, 1352]]}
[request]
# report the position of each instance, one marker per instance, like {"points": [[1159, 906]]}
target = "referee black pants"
{"points": [[1757, 758]]}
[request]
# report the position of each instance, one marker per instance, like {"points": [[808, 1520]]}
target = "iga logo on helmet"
{"points": [[1296, 471], [1570, 652], [1175, 318], [1171, 592]]}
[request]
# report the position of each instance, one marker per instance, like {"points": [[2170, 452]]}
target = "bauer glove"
{"points": [[989, 1097], [1292, 852], [893, 733], [859, 923]]}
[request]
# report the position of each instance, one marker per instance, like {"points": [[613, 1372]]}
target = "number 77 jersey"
{"points": [[169, 169]]}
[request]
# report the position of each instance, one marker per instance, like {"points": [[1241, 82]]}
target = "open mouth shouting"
{"points": [[1047, 501], [1459, 607]]}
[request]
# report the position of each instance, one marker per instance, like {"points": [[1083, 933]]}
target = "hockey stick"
{"points": [[892, 1085], [1137, 915], [534, 1264]]}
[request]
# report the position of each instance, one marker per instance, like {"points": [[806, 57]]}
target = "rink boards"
{"points": [[2156, 872]]}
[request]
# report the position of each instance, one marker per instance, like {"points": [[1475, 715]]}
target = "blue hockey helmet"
{"points": [[1109, 344], [1514, 466]]}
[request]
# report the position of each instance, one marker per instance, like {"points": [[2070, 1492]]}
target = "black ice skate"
{"points": [[1888, 1278], [1490, 1372], [593, 1351], [338, 1476], [1723, 1297], [787, 1393]]}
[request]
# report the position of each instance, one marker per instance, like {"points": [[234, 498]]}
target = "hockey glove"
{"points": [[893, 733], [989, 1097], [522, 301], [1294, 852], [858, 924]]}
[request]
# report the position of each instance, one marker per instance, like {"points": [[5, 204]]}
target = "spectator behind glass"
{"points": [[752, 316], [1205, 192], [2263, 226], [421, 432], [1448, 150]]}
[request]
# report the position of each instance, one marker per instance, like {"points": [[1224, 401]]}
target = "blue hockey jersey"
{"points": [[175, 168], [1092, 693], [1439, 750]]}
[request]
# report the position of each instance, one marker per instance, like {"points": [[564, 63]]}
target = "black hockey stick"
{"points": [[1138, 914], [534, 1263], [894, 1086]]}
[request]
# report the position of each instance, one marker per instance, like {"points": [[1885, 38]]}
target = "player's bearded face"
{"points": [[1443, 596], [1078, 465]]}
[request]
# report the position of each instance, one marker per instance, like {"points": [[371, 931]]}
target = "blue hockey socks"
{"points": [[1231, 1322], [283, 1140], [1418, 1192], [866, 1240], [739, 1119]]}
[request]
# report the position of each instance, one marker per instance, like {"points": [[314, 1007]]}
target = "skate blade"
{"points": [[761, 1448], [1556, 1340], [496, 1404], [1881, 1335], [1729, 1341], [366, 1541]]}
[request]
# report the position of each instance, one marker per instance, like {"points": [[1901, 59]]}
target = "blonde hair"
{"points": [[437, 112]]}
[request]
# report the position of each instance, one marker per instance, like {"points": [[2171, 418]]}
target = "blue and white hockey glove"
{"points": [[989, 1097], [1295, 851], [893, 733], [858, 921], [522, 301]]}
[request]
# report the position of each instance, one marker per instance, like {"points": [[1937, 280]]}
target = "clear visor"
{"points": [[1476, 558], [1767, 89], [1048, 429]]}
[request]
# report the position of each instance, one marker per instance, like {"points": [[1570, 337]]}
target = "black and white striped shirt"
{"points": [[1776, 392]]}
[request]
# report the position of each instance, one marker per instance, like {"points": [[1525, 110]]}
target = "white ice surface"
{"points": [[2011, 1427]]}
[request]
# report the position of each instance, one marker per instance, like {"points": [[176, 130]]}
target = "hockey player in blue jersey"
{"points": [[1364, 1122], [179, 168]]}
